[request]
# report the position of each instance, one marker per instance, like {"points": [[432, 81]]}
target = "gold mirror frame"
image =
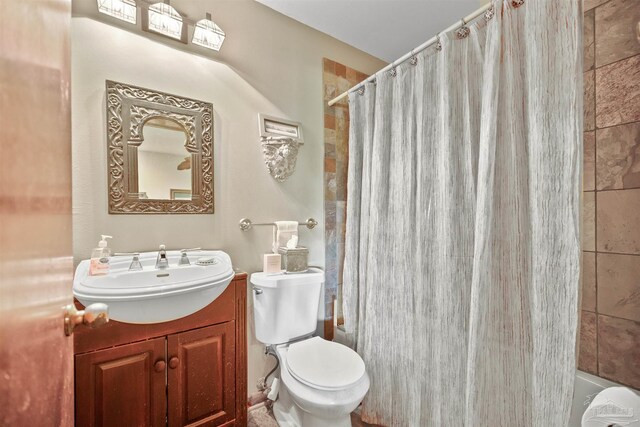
{"points": [[128, 109]]}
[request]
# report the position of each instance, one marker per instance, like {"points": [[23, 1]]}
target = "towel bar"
{"points": [[246, 224]]}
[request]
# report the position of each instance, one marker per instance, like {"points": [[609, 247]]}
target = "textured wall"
{"points": [[610, 330], [336, 79]]}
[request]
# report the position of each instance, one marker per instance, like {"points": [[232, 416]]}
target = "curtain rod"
{"points": [[420, 48]]}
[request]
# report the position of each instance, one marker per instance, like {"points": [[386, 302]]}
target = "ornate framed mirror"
{"points": [[160, 152]]}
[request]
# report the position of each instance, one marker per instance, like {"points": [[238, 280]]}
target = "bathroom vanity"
{"points": [[186, 372]]}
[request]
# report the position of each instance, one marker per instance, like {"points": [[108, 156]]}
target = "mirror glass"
{"points": [[164, 164]]}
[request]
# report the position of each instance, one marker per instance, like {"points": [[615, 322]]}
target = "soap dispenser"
{"points": [[99, 265]]}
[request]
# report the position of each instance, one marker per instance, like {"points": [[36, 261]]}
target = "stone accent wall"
{"points": [[610, 329], [337, 78]]}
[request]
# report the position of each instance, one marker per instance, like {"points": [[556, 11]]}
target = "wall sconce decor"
{"points": [[159, 17], [162, 18], [124, 10], [281, 140], [208, 34]]}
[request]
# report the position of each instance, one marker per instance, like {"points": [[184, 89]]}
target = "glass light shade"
{"points": [[208, 34], [165, 20], [121, 9]]}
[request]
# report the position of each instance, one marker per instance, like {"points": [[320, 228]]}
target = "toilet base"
{"points": [[288, 414]]}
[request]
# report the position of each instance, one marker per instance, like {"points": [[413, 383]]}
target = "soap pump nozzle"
{"points": [[103, 243]]}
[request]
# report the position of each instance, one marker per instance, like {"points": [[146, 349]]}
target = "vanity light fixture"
{"points": [[165, 20], [121, 9], [208, 34]]}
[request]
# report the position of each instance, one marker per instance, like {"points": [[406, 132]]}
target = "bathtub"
{"points": [[586, 388]]}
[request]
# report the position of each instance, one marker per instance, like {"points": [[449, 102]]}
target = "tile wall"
{"points": [[610, 328], [337, 78]]}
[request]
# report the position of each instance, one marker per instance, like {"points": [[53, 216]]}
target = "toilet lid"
{"points": [[323, 364]]}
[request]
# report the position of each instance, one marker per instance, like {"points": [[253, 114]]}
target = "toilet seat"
{"points": [[324, 365]]}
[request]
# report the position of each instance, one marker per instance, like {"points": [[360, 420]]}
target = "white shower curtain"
{"points": [[461, 274]]}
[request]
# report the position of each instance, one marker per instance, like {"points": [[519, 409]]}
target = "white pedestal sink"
{"points": [[151, 295]]}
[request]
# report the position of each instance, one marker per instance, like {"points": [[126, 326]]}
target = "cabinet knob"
{"points": [[160, 366], [174, 362]]}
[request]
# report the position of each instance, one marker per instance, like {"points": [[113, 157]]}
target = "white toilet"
{"points": [[322, 382]]}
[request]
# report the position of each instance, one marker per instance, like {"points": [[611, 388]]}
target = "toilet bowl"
{"points": [[322, 382]]}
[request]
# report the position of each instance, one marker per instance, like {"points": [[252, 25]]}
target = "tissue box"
{"points": [[294, 260]]}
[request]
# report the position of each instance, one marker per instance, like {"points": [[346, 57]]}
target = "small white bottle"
{"points": [[99, 265]]}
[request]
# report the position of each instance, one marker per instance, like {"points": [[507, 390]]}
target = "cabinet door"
{"points": [[202, 376], [122, 386]]}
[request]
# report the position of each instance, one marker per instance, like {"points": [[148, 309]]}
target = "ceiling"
{"points": [[386, 29]]}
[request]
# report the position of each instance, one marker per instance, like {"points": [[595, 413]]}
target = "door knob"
{"points": [[93, 316]]}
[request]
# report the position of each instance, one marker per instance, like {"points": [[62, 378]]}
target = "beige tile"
{"points": [[589, 221], [329, 121], [589, 106], [587, 359], [329, 83], [619, 286], [618, 93], [589, 281], [329, 164], [618, 221], [590, 4], [615, 25], [619, 350], [329, 188], [588, 44], [328, 65], [618, 158], [589, 158]]}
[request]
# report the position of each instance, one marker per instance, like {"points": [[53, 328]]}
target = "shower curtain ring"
{"points": [[438, 43], [489, 14], [414, 58], [360, 90], [463, 31]]}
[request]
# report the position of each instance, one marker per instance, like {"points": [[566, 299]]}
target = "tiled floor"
{"points": [[261, 416]]}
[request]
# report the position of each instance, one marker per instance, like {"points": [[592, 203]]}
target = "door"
{"points": [[202, 376], [36, 266], [122, 386]]}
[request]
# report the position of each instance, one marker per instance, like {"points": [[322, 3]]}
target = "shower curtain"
{"points": [[461, 274]]}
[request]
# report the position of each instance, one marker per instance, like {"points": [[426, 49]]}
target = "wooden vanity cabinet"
{"points": [[187, 372], [122, 386]]}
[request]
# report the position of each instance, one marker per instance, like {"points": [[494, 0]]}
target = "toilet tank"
{"points": [[285, 306]]}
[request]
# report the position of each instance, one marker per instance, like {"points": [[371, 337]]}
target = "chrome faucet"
{"points": [[184, 259], [135, 261], [162, 262]]}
